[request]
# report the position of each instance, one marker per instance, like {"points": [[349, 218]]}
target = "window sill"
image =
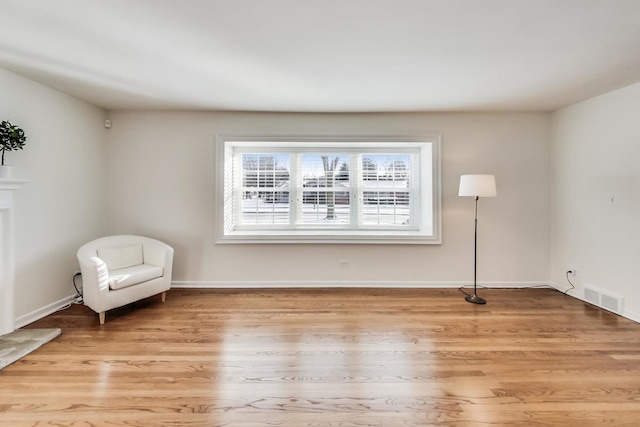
{"points": [[410, 238]]}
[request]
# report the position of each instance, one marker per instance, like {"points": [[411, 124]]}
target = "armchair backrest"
{"points": [[153, 251]]}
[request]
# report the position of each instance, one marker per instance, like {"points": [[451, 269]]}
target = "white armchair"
{"points": [[118, 270]]}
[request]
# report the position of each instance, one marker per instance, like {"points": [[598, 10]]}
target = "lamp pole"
{"points": [[475, 298]]}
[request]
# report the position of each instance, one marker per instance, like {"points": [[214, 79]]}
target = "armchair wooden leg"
{"points": [[164, 296], [102, 316]]}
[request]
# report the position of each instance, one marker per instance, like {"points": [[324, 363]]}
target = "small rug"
{"points": [[21, 342]]}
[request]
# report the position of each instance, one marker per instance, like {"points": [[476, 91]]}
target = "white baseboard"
{"points": [[55, 306], [631, 315], [575, 293], [372, 284], [345, 284], [38, 314]]}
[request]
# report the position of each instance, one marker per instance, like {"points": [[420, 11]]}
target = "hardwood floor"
{"points": [[332, 357]]}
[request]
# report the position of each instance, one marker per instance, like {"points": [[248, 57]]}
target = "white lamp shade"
{"points": [[477, 185]]}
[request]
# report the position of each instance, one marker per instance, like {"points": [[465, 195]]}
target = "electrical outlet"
{"points": [[572, 272], [343, 263]]}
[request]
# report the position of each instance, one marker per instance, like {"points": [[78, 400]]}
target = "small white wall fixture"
{"points": [[7, 267]]}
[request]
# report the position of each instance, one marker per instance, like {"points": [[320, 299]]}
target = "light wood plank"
{"points": [[338, 357]]}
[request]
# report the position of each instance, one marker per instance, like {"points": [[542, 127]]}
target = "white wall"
{"points": [[596, 156], [152, 174], [63, 206], [161, 184]]}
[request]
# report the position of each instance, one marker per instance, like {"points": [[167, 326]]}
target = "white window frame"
{"points": [[424, 232]]}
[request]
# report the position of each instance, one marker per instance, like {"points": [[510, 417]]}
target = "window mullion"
{"points": [[355, 182], [295, 184]]}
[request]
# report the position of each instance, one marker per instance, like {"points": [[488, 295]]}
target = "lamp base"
{"points": [[475, 299]]}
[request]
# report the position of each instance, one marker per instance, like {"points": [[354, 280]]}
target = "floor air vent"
{"points": [[611, 303], [592, 296], [606, 301]]}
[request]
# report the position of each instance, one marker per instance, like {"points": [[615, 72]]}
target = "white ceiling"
{"points": [[325, 55]]}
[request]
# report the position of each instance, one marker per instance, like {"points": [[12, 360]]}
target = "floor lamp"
{"points": [[476, 186]]}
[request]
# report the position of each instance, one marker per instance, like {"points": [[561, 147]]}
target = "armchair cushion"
{"points": [[138, 274], [121, 257]]}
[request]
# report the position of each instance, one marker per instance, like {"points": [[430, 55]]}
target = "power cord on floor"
{"points": [[539, 287], [461, 289], [78, 299]]}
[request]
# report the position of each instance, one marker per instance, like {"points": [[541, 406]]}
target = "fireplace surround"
{"points": [[7, 263]]}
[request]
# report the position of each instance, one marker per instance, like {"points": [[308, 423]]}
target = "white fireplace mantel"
{"points": [[7, 263]]}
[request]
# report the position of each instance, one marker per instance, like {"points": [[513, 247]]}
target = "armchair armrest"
{"points": [[95, 278], [157, 253]]}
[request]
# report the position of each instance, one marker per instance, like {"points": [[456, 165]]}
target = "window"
{"points": [[328, 190]]}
